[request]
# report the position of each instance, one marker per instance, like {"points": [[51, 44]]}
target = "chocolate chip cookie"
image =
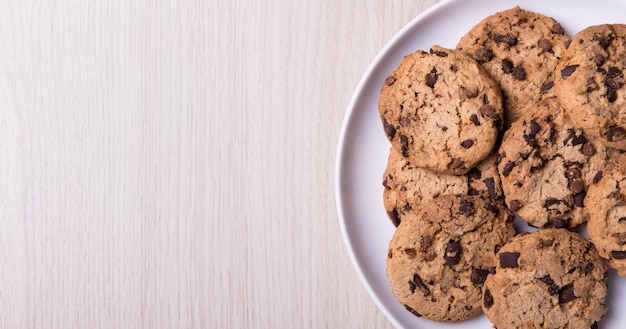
{"points": [[407, 186], [550, 278], [520, 49], [441, 110], [546, 166], [590, 82], [607, 206], [442, 252]]}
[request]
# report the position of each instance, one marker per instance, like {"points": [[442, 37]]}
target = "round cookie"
{"points": [[442, 252], [606, 201], [407, 186], [441, 110], [520, 49], [590, 82], [546, 166], [550, 278]]}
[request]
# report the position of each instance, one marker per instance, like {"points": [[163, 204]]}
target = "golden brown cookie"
{"points": [[520, 49], [441, 110], [590, 82], [442, 252], [551, 278]]}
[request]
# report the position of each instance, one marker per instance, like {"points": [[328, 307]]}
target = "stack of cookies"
{"points": [[521, 121]]}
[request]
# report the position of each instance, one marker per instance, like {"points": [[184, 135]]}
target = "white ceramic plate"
{"points": [[363, 147]]}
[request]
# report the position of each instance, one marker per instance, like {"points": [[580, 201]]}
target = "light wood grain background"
{"points": [[170, 164]]}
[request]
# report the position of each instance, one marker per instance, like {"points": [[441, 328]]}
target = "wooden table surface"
{"points": [[170, 164]]}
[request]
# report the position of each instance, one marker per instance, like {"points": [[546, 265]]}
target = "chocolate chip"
{"points": [[534, 128], [598, 59], [405, 122], [558, 223], [588, 268], [390, 80], [491, 188], [410, 252], [570, 135], [597, 177], [467, 143], [573, 173], [547, 86], [549, 202], [390, 254], [568, 70], [588, 149], [506, 38], [500, 157], [474, 174], [393, 215], [469, 93], [579, 199], [531, 141], [412, 286], [439, 53], [417, 280], [557, 29], [545, 45], [404, 145], [615, 134], [508, 167], [509, 259], [466, 208], [491, 207], [487, 110], [545, 243], [578, 140], [386, 185], [604, 43], [514, 205], [474, 119], [487, 299], [457, 163], [621, 219], [431, 78], [479, 275], [594, 325], [507, 66], [553, 289], [483, 55], [576, 186], [390, 130], [472, 192], [485, 99], [618, 254], [519, 74], [453, 253], [619, 199], [566, 294], [425, 242], [414, 312]]}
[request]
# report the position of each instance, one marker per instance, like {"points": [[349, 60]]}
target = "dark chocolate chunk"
{"points": [[479, 275], [393, 215], [491, 188], [514, 205], [390, 130], [473, 192], [570, 135], [534, 128], [439, 53], [405, 122], [557, 29], [576, 186], [491, 207], [553, 289], [404, 145], [598, 59], [457, 163], [425, 242], [466, 208], [507, 66], [618, 254], [483, 55], [508, 167], [414, 312], [545, 243], [410, 252], [566, 294], [431, 78], [487, 299], [509, 259], [604, 43], [518, 73], [588, 149], [390, 80], [547, 86], [559, 223], [453, 253], [615, 134], [474, 119], [509, 39], [487, 110], [545, 45], [469, 93], [386, 185], [579, 199], [568, 70], [578, 140], [592, 85], [597, 177], [467, 143], [417, 280]]}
